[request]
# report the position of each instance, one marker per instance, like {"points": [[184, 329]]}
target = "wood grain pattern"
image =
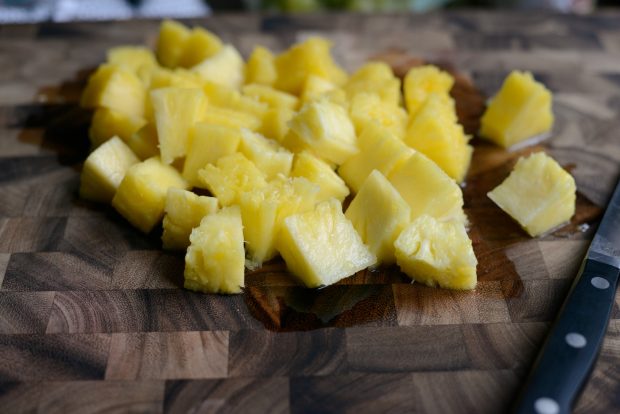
{"points": [[92, 312]]}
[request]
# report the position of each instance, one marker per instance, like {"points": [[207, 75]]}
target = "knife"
{"points": [[566, 359]]}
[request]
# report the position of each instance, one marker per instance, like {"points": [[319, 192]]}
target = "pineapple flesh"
{"points": [[201, 44], [224, 68], [271, 158], [131, 58], [422, 81], [376, 78], [107, 123], [184, 210], [171, 43], [320, 173], [270, 96], [260, 67]]}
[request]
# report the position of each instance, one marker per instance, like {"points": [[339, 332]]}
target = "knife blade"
{"points": [[567, 356]]}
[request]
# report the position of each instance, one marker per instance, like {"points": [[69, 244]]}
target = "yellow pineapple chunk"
{"points": [[201, 44], [184, 211], [368, 107], [131, 58], [176, 111], [538, 194], [325, 129], [434, 131], [108, 123], [263, 211], [378, 78], [225, 97], [104, 170], [437, 253], [421, 81], [275, 123], [380, 150], [271, 158], [207, 144], [230, 177], [319, 172], [225, 68], [171, 43], [428, 190], [520, 110], [379, 213], [144, 142], [230, 118], [321, 247], [115, 88], [270, 96], [214, 262], [261, 68], [314, 87], [312, 57], [141, 196]]}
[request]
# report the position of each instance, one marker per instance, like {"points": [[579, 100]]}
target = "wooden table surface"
{"points": [[92, 316]]}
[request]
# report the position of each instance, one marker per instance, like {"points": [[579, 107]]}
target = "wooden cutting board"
{"points": [[92, 316]]}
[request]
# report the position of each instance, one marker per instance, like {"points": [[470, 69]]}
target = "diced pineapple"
{"points": [[104, 170], [171, 43], [272, 97], [263, 211], [433, 130], [325, 129], [232, 176], [207, 144], [275, 123], [380, 150], [437, 253], [520, 110], [379, 213], [144, 143], [225, 97], [378, 78], [319, 172], [214, 262], [421, 81], [176, 111], [184, 211], [115, 88], [538, 194], [312, 57], [107, 123], [266, 154], [261, 68], [321, 247], [428, 190], [131, 58], [368, 107], [314, 87], [230, 118], [201, 44], [141, 196], [224, 68]]}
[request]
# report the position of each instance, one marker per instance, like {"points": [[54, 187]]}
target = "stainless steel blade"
{"points": [[605, 247]]}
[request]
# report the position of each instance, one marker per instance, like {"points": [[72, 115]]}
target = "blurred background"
{"points": [[22, 11]]}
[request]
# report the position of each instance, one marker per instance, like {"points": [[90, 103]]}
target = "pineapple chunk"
{"points": [[214, 262], [266, 154], [232, 176], [270, 96], [437, 253], [115, 88], [131, 58], [141, 196], [368, 107], [107, 123], [201, 44], [538, 194], [314, 87], [311, 57], [319, 172], [520, 110], [435, 132], [230, 118], [224, 68], [207, 144], [176, 111], [173, 37], [104, 170], [321, 247], [184, 211], [421, 81], [325, 129], [225, 97], [275, 123], [261, 68], [379, 214], [428, 190], [379, 149], [263, 211], [378, 78], [144, 143]]}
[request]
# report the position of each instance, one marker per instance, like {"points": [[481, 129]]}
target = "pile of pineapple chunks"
{"points": [[279, 142]]}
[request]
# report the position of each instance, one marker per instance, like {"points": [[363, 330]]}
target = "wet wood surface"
{"points": [[92, 313]]}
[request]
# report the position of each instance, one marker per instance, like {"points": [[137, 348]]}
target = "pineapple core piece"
{"points": [[271, 158], [104, 170], [107, 123], [421, 81], [437, 253], [261, 68], [520, 110], [184, 211], [538, 194], [320, 173], [214, 262], [379, 213], [321, 247], [224, 68], [141, 196]]}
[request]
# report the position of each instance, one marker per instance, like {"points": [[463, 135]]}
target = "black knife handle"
{"points": [[571, 347]]}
